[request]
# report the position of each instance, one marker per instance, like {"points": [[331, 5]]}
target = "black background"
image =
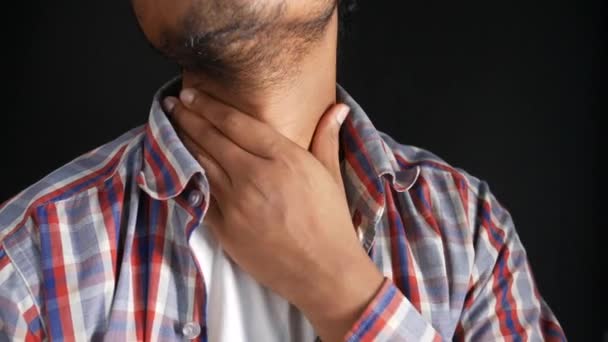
{"points": [[509, 91]]}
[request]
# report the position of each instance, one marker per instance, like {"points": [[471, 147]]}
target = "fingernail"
{"points": [[342, 114], [169, 103], [187, 95]]}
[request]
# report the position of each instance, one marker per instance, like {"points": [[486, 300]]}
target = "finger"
{"points": [[246, 131], [325, 144], [231, 157], [219, 181]]}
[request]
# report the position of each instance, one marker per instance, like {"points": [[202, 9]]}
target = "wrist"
{"points": [[336, 301]]}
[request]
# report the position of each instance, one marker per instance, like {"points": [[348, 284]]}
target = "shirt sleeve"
{"points": [[502, 304], [19, 316], [391, 317]]}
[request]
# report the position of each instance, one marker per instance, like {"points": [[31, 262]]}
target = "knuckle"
{"points": [[273, 146], [229, 121], [291, 162]]}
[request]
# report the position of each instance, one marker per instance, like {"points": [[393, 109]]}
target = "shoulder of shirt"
{"points": [[76, 177], [432, 168]]}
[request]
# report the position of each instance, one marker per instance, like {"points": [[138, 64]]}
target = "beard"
{"points": [[244, 43]]}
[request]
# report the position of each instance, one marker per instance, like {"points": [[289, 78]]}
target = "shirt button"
{"points": [[191, 330], [195, 198]]}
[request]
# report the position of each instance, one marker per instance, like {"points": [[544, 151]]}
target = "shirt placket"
{"points": [[195, 327]]}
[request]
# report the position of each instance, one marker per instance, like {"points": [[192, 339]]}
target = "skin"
{"points": [[270, 152]]}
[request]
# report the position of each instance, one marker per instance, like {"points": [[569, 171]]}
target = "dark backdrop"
{"points": [[509, 91]]}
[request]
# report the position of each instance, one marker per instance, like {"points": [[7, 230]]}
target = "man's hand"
{"points": [[280, 211]]}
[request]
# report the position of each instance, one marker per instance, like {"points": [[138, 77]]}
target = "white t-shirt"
{"points": [[238, 307]]}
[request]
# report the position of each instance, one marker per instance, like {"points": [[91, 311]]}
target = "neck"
{"points": [[294, 107]]}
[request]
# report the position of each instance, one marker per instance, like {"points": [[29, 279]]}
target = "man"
{"points": [[259, 203]]}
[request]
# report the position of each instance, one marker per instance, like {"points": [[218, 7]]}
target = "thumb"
{"points": [[325, 143]]}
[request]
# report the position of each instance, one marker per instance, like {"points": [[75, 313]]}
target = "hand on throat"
{"points": [[292, 106]]}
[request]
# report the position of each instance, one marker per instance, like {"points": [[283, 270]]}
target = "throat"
{"points": [[293, 106]]}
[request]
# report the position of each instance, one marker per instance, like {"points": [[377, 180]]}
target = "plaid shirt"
{"points": [[99, 248]]}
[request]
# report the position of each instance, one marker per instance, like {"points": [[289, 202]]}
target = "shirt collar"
{"points": [[367, 159], [368, 167], [167, 165]]}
